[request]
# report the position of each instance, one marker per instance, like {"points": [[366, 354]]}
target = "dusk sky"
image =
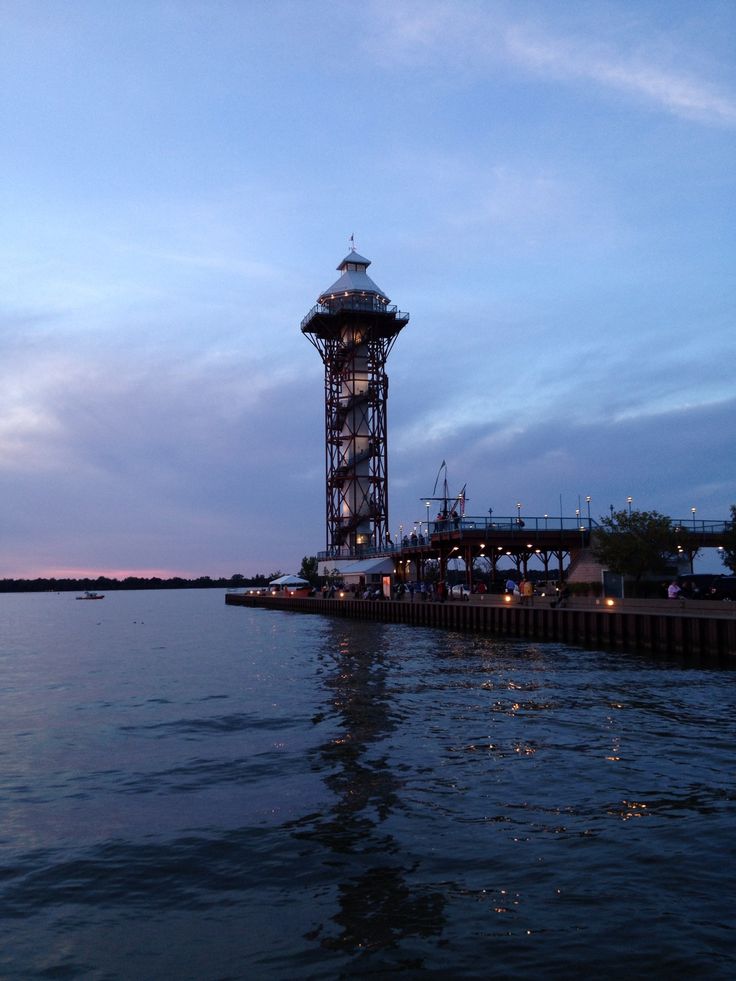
{"points": [[546, 187]]}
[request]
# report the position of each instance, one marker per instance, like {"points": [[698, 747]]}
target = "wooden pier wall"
{"points": [[709, 634]]}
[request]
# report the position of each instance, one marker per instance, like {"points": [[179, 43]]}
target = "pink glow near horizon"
{"points": [[76, 573]]}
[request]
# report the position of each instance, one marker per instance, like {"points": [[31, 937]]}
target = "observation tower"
{"points": [[354, 327]]}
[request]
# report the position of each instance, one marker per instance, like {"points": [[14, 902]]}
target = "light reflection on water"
{"points": [[197, 791]]}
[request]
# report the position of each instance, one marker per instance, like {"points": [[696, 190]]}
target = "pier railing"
{"points": [[517, 523], [421, 537], [514, 527], [698, 527]]}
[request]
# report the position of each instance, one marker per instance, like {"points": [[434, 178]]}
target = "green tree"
{"points": [[729, 542], [635, 543], [687, 544], [309, 569]]}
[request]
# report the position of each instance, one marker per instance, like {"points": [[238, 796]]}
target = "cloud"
{"points": [[522, 376], [675, 92], [26, 433], [564, 269], [477, 40], [135, 460], [668, 461]]}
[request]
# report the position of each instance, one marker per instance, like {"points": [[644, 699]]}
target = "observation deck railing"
{"points": [[368, 304]]}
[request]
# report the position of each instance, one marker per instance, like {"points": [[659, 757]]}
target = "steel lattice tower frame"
{"points": [[354, 328]]}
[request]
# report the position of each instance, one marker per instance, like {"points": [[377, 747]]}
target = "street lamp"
{"points": [[629, 501], [693, 510], [518, 512], [587, 501], [428, 522]]}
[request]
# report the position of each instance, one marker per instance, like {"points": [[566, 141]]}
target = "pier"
{"points": [[552, 542], [700, 630]]}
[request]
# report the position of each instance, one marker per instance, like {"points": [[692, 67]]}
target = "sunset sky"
{"points": [[547, 187]]}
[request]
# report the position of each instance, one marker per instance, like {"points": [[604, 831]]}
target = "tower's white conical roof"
{"points": [[354, 279]]}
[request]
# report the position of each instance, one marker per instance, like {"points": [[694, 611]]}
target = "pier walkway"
{"points": [[701, 630]]}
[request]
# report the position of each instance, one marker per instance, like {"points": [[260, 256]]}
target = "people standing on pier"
{"points": [[527, 592], [673, 590], [563, 595]]}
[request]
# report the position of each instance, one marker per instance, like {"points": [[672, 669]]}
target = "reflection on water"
{"points": [[377, 906], [517, 801], [200, 792]]}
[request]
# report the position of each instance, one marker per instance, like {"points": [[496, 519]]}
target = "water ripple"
{"points": [[333, 799], [236, 722]]}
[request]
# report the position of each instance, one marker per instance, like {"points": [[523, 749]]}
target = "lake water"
{"points": [[195, 791]]}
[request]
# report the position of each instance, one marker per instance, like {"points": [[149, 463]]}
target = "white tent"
{"points": [[289, 581], [364, 567]]}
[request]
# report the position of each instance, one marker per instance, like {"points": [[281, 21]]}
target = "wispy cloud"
{"points": [[479, 39], [633, 73]]}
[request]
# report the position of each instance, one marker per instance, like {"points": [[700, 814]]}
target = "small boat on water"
{"points": [[88, 594]]}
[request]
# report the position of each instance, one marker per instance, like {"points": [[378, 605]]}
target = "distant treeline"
{"points": [[130, 582]]}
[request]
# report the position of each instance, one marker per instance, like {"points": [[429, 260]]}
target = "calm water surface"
{"points": [[194, 791]]}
